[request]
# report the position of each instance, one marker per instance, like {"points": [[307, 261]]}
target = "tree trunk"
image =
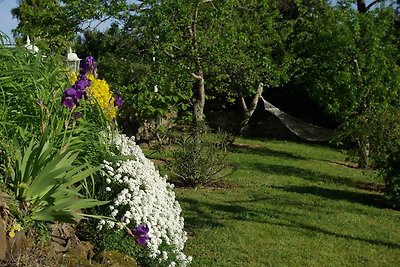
{"points": [[199, 94], [363, 162], [361, 7], [248, 112], [198, 87]]}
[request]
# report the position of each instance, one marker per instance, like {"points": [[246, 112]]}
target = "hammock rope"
{"points": [[300, 128]]}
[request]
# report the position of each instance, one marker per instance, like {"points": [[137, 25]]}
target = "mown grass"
{"points": [[290, 204]]}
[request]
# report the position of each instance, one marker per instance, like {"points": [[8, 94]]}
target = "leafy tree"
{"points": [[54, 23], [47, 21], [209, 49], [348, 60], [128, 67]]}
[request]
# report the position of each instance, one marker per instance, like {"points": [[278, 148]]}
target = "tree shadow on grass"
{"points": [[263, 151], [312, 228], [300, 173], [368, 199], [213, 215], [201, 218]]}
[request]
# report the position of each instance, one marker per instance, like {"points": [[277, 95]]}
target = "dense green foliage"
{"points": [[42, 178], [41, 166], [352, 67], [60, 136], [53, 23], [174, 56]]}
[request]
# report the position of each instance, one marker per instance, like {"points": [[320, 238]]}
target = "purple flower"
{"points": [[89, 65], [68, 102], [142, 240], [76, 115], [140, 233], [70, 98], [118, 102], [80, 85], [141, 229], [91, 61], [70, 92], [79, 94], [84, 78]]}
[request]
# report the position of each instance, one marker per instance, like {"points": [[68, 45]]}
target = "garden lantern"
{"points": [[73, 61], [32, 48]]}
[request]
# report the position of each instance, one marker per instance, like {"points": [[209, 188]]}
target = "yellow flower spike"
{"points": [[17, 227], [73, 77], [11, 233], [100, 91]]}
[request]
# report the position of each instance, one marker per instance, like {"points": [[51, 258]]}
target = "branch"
{"points": [[197, 77], [373, 3], [169, 54], [97, 25], [243, 105], [357, 68], [255, 99]]}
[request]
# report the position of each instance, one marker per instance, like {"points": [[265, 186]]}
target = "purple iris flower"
{"points": [[141, 229], [140, 233], [70, 98], [91, 61], [79, 94], [142, 240], [72, 95], [68, 102], [70, 92], [77, 115], [89, 65], [118, 102], [80, 85]]}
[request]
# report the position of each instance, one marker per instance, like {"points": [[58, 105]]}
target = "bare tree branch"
{"points": [[373, 3]]}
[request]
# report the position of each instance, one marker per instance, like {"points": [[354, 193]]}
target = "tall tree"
{"points": [[215, 47], [54, 23], [348, 60]]}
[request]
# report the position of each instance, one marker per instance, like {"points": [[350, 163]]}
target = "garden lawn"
{"points": [[290, 204]]}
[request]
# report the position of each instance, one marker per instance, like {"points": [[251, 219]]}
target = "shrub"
{"points": [[384, 148], [391, 174], [44, 181], [199, 157]]}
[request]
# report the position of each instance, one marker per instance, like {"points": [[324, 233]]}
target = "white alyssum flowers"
{"points": [[146, 198]]}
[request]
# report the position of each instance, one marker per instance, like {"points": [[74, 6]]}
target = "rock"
{"points": [[16, 244], [62, 236], [115, 259], [82, 249], [3, 240]]}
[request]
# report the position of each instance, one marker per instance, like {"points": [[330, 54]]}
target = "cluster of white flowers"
{"points": [[146, 198]]}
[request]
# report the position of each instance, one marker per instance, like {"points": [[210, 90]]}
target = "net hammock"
{"points": [[300, 128]]}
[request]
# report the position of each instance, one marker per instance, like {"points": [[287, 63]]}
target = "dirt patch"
{"points": [[221, 185], [239, 145], [212, 185], [345, 164], [159, 161], [373, 187]]}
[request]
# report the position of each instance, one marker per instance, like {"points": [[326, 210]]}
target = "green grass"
{"points": [[290, 204]]}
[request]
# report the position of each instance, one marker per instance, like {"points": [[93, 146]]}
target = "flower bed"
{"points": [[143, 197]]}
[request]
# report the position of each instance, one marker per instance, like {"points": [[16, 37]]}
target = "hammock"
{"points": [[300, 128]]}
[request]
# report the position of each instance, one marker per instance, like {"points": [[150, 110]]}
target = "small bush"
{"points": [[199, 158], [391, 175]]}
